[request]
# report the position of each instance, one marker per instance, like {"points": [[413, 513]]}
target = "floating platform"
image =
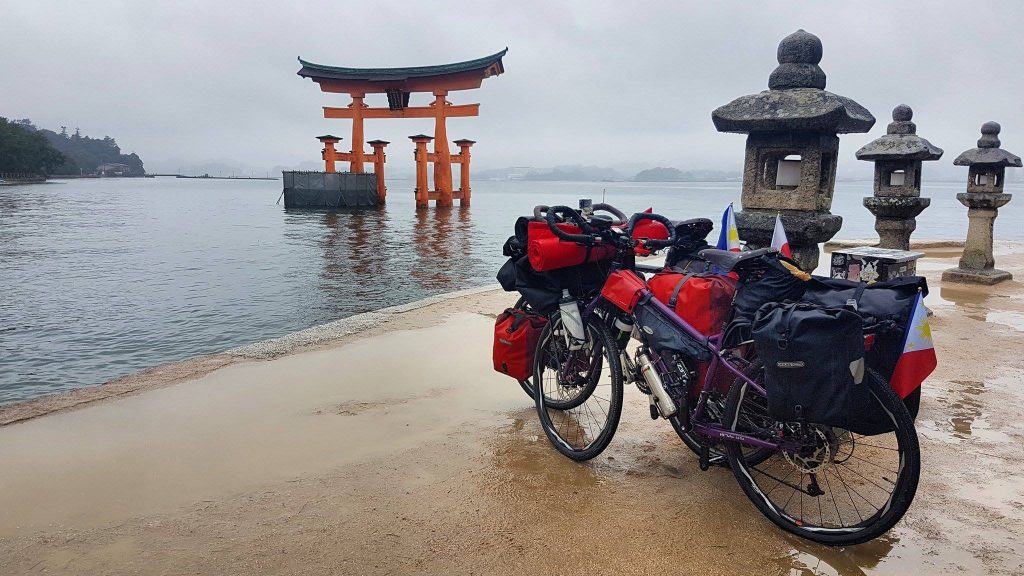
{"points": [[329, 190]]}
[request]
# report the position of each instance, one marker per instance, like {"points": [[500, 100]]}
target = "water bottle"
{"points": [[572, 322]]}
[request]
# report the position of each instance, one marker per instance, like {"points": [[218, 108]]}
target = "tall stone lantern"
{"points": [[792, 149], [897, 200], [986, 169]]}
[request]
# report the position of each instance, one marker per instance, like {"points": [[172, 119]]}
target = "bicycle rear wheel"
{"points": [[839, 488], [579, 397]]}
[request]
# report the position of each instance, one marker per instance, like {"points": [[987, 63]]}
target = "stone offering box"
{"points": [[870, 264]]}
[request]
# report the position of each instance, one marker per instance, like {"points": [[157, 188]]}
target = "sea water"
{"points": [[105, 277]]}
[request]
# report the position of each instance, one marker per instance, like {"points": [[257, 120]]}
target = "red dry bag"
{"points": [[516, 333], [703, 300], [548, 252]]}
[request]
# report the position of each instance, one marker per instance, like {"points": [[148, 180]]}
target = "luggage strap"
{"points": [[518, 316], [675, 293], [852, 303]]}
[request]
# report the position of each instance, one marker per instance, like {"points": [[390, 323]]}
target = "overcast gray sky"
{"points": [[585, 82]]}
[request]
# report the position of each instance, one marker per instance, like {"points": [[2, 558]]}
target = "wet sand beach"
{"points": [[396, 449]]}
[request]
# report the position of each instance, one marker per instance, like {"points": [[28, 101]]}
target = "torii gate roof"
{"points": [[456, 76]]}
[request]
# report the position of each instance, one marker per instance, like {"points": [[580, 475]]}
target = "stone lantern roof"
{"points": [[988, 151], [901, 141], [796, 99]]}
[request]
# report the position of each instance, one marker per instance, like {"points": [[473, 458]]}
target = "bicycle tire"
{"points": [[887, 513], [603, 345]]}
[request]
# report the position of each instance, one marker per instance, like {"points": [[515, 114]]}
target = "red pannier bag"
{"points": [[516, 333], [703, 300], [623, 289], [549, 252]]}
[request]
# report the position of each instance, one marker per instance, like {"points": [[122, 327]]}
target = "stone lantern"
{"points": [[792, 149], [897, 200], [986, 169]]}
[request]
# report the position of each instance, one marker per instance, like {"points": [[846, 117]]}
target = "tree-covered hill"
{"points": [[86, 154], [23, 150], [80, 154]]}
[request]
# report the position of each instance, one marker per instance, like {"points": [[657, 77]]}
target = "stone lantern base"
{"points": [[977, 264], [965, 275]]}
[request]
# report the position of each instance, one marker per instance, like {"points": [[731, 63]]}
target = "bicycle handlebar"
{"points": [[586, 238], [650, 243], [620, 218]]}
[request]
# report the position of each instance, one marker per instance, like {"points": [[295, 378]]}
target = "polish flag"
{"points": [[729, 235], [779, 240], [918, 359]]}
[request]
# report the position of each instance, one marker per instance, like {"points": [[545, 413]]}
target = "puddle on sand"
{"points": [[1014, 320], [900, 551], [968, 417], [806, 559], [957, 295]]}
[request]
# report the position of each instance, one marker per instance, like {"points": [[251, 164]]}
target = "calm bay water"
{"points": [[101, 278]]}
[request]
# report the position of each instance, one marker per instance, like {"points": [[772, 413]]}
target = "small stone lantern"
{"points": [[897, 200], [792, 149], [986, 169]]}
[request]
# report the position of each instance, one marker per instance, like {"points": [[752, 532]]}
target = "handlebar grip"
{"points": [[620, 217], [652, 243], [573, 215]]}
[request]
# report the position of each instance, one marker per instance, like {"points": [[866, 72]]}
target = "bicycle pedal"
{"points": [[705, 458], [655, 414]]}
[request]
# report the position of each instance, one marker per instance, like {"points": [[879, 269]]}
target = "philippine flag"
{"points": [[779, 240], [918, 359], [729, 236]]}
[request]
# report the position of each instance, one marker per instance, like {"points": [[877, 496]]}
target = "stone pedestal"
{"points": [[895, 218], [977, 264]]}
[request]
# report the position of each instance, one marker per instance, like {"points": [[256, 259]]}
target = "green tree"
{"points": [[24, 150]]}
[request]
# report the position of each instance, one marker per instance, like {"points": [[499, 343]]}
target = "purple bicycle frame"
{"points": [[713, 344]]}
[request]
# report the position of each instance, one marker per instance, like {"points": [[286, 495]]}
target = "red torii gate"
{"points": [[398, 84]]}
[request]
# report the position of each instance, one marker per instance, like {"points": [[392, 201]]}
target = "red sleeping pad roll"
{"points": [[548, 252]]}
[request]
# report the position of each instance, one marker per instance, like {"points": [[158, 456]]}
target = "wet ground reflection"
{"points": [[808, 559]]}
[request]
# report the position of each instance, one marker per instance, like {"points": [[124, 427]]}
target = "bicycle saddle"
{"points": [[693, 229], [727, 261]]}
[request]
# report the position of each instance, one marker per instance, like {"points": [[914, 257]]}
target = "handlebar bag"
{"points": [[703, 300], [814, 366], [549, 252], [516, 333]]}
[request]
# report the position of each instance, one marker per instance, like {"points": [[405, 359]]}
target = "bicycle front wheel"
{"points": [[835, 487], [579, 392]]}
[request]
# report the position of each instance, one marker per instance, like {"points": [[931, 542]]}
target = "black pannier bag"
{"points": [[885, 308], [766, 281], [814, 366], [661, 334], [543, 290]]}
